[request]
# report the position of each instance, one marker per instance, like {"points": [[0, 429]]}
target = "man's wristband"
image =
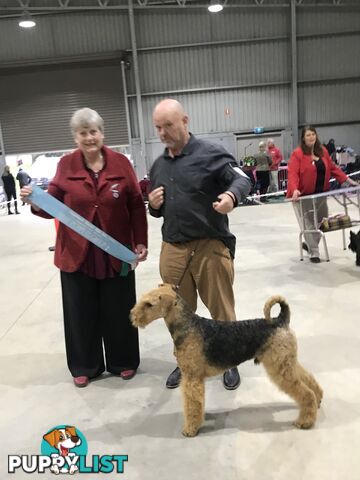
{"points": [[232, 196]]}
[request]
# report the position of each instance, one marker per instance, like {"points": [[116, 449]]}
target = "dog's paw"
{"points": [[55, 469], [189, 433], [73, 469], [305, 424]]}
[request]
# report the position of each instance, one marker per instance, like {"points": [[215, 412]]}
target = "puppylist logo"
{"points": [[63, 450]]}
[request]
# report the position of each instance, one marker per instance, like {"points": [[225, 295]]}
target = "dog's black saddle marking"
{"points": [[227, 344]]}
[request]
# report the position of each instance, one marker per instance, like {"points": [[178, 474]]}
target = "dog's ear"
{"points": [[50, 438], [72, 431]]}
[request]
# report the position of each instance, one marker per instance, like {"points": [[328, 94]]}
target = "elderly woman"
{"points": [[262, 163], [98, 290], [309, 171]]}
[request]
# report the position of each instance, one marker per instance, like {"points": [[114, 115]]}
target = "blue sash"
{"points": [[80, 225]]}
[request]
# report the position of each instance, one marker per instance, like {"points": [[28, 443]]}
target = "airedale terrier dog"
{"points": [[205, 348]]}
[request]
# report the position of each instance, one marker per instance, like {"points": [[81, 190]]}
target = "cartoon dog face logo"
{"points": [[63, 439]]}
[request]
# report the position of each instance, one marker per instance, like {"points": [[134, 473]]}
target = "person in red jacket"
{"points": [[98, 290], [309, 170], [144, 187]]}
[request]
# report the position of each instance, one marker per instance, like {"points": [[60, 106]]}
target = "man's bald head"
{"points": [[171, 123], [169, 106]]}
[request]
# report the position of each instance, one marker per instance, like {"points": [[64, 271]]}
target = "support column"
{"points": [[127, 113], [294, 86], [2, 155], [143, 157]]}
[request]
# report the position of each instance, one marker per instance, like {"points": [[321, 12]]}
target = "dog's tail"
{"points": [[284, 315]]}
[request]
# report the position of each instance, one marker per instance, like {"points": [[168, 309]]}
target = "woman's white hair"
{"points": [[85, 118]]}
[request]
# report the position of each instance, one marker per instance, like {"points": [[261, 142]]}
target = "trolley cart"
{"points": [[344, 197]]}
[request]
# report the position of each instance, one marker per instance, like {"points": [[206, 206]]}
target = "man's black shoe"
{"points": [[231, 379], [315, 260], [174, 378]]}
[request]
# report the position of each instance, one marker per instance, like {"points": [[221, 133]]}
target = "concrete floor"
{"points": [[248, 434]]}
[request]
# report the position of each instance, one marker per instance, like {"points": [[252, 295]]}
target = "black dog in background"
{"points": [[354, 245]]}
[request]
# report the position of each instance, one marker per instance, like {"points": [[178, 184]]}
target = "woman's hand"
{"points": [[24, 194], [352, 182], [141, 252], [295, 195]]}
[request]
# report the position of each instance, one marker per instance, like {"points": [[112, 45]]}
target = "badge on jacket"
{"points": [[114, 190]]}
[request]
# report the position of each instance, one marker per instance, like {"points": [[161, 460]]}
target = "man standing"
{"points": [[276, 157], [23, 178], [193, 186]]}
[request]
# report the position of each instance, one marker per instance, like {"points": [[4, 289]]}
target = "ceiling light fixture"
{"points": [[26, 21], [215, 6]]}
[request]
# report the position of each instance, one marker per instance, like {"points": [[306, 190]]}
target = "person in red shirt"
{"points": [[98, 290], [309, 170], [144, 187], [276, 157]]}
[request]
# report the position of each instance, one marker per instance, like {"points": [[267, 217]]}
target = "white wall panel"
{"points": [[251, 63], [226, 111], [250, 23], [175, 70], [174, 28], [327, 20], [171, 28], [22, 44], [82, 33], [329, 57], [217, 66], [267, 107], [64, 35], [329, 103]]}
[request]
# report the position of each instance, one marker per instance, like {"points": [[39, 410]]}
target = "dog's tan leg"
{"points": [[193, 392], [287, 378], [310, 382]]}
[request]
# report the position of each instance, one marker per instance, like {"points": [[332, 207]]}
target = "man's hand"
{"points": [[225, 203], [156, 198]]}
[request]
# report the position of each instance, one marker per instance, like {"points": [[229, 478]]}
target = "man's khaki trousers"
{"points": [[210, 272]]}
